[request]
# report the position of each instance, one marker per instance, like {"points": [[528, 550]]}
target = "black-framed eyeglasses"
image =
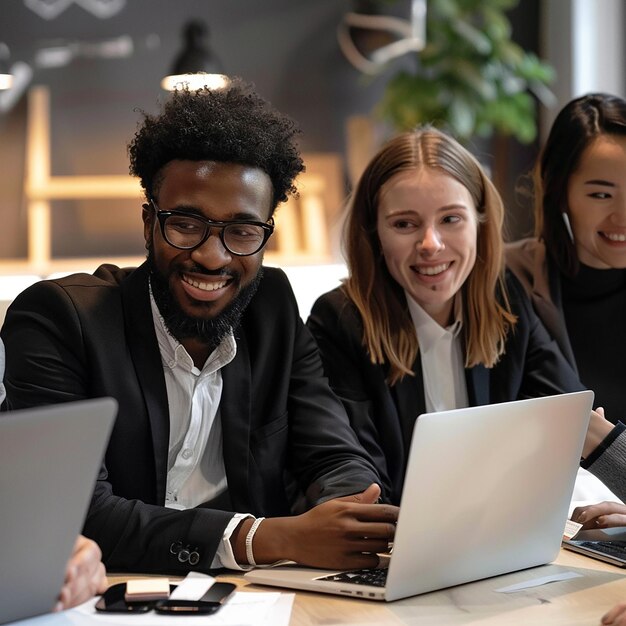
{"points": [[187, 231]]}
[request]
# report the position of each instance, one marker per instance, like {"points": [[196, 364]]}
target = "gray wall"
{"points": [[586, 46]]}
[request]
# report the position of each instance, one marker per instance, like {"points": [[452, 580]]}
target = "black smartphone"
{"points": [[210, 602], [113, 601]]}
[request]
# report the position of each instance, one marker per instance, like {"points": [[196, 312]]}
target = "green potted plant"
{"points": [[470, 78]]}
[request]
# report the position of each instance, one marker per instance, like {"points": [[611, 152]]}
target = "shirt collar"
{"points": [[174, 354], [428, 330]]}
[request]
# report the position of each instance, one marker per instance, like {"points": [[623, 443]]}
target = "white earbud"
{"points": [[568, 226]]}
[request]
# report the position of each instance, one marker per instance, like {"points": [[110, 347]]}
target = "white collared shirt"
{"points": [[195, 463], [443, 363]]}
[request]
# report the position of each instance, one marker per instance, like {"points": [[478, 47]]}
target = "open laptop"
{"points": [[608, 544], [49, 461], [486, 492]]}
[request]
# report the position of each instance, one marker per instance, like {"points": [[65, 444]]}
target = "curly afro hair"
{"points": [[233, 125]]}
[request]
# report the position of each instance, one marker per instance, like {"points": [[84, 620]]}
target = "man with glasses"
{"points": [[225, 417]]}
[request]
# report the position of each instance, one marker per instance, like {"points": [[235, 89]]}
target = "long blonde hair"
{"points": [[388, 331]]}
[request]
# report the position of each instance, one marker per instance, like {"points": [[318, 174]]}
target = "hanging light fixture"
{"points": [[6, 78], [197, 65]]}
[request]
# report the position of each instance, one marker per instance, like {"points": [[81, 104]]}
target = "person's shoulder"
{"points": [[512, 282], [335, 309], [334, 300], [81, 286], [527, 246], [522, 258], [518, 297], [275, 278], [274, 296], [522, 253], [274, 287], [105, 275]]}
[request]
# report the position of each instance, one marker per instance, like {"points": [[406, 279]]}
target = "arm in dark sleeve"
{"points": [[294, 412], [332, 461], [608, 461], [44, 349], [135, 536], [337, 331]]}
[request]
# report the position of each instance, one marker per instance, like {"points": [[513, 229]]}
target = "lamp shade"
{"points": [[196, 65]]}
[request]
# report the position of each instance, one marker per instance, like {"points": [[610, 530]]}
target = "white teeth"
{"points": [[615, 236], [204, 286], [432, 271]]}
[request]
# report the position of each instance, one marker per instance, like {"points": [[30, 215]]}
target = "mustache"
{"points": [[198, 269]]}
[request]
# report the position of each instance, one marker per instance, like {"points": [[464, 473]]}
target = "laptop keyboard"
{"points": [[375, 577], [616, 549]]}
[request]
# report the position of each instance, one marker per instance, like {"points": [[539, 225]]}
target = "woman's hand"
{"points": [[599, 428], [602, 515], [616, 616], [85, 575]]}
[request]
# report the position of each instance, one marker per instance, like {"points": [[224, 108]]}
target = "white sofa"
{"points": [[308, 281]]}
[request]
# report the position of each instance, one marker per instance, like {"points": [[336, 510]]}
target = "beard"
{"points": [[208, 330]]}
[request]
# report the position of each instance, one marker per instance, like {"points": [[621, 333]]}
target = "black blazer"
{"points": [[384, 416], [87, 336]]}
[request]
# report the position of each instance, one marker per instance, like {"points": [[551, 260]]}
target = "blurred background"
{"points": [[495, 72]]}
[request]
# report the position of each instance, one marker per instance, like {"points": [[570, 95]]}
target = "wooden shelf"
{"points": [[302, 224]]}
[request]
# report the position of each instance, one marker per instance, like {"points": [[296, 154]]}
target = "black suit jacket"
{"points": [[87, 336], [384, 416]]}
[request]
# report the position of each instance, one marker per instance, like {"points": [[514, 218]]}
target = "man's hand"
{"points": [[85, 575], [345, 532], [602, 515], [338, 534]]}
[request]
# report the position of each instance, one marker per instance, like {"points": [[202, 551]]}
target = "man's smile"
{"points": [[204, 285]]}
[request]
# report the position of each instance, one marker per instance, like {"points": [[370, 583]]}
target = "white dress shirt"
{"points": [[443, 363], [195, 463]]}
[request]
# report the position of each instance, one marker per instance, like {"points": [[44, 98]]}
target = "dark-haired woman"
{"points": [[575, 268]]}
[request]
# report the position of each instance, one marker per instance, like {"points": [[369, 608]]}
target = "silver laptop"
{"points": [[608, 544], [49, 461], [487, 492]]}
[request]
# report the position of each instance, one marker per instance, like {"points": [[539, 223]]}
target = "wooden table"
{"points": [[571, 602]]}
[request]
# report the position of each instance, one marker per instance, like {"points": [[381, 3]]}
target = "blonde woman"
{"points": [[428, 320]]}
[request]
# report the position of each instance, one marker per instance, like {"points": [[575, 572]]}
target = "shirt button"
{"points": [[187, 454]]}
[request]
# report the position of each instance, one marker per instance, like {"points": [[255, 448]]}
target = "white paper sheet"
{"points": [[243, 609], [536, 582]]}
